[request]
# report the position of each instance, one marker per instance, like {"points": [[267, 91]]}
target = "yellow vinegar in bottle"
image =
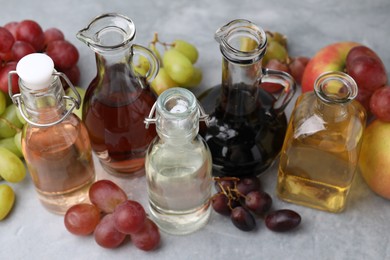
{"points": [[321, 149]]}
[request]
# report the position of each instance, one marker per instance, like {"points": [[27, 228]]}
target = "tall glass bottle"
{"points": [[321, 150], [55, 142], [247, 124], [178, 165], [118, 99]]}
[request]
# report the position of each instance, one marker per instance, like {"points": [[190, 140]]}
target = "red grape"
{"points": [[81, 219], [106, 235], [4, 78], [53, 34], [363, 97], [220, 203], [248, 184], [282, 220], [258, 202], [380, 103], [129, 217], [73, 74], [6, 56], [11, 27], [64, 54], [6, 40], [274, 64], [31, 32], [366, 68], [148, 237], [297, 66], [243, 219], [106, 195], [226, 185], [21, 49]]}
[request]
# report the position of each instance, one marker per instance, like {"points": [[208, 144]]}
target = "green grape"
{"points": [[3, 102], [187, 49], [18, 142], [9, 122], [156, 52], [275, 51], [9, 144], [11, 167], [20, 117], [143, 63], [7, 199], [278, 37], [178, 66], [162, 82], [196, 78]]}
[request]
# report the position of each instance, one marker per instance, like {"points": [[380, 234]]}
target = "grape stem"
{"points": [[156, 40]]}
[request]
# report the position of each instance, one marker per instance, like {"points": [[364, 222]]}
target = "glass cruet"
{"points": [[118, 99], [55, 142], [320, 153], [178, 164], [247, 124]]}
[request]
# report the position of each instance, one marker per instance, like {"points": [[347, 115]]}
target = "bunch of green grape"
{"points": [[12, 168], [177, 65]]}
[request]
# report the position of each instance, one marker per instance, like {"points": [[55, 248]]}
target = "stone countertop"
{"points": [[360, 232]]}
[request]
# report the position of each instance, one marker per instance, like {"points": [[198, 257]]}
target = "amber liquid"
{"points": [[245, 134], [317, 165], [59, 159], [114, 115]]}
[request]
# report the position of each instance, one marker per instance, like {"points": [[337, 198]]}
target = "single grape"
{"points": [[187, 49], [6, 56], [4, 78], [364, 97], [220, 203], [106, 195], [82, 219], [380, 103], [297, 66], [73, 75], [7, 199], [3, 102], [275, 51], [278, 37], [53, 34], [148, 237], [178, 66], [258, 202], [18, 142], [106, 235], [243, 219], [195, 80], [31, 32], [64, 54], [6, 40], [21, 49], [162, 82], [12, 27], [10, 145], [11, 167], [274, 64], [129, 217], [10, 123], [248, 184], [282, 220]]}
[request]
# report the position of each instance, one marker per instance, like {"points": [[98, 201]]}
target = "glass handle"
{"points": [[153, 61], [284, 79]]}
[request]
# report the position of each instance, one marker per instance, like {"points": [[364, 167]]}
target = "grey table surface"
{"points": [[360, 232]]}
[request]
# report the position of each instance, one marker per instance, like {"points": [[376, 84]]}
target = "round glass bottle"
{"points": [[118, 99], [178, 165], [55, 142], [321, 150], [247, 123]]}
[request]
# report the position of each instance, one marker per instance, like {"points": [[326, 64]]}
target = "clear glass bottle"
{"points": [[178, 165], [118, 99], [321, 149], [55, 142], [247, 123]]}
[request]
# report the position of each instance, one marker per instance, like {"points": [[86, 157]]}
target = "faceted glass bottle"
{"points": [[118, 99], [321, 150], [55, 142], [247, 123], [178, 165]]}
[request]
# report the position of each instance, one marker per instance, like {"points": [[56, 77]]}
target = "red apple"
{"points": [[329, 58]]}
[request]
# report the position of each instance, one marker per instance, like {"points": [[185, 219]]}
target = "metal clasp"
{"points": [[18, 101]]}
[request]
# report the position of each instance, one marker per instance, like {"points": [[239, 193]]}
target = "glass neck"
{"points": [[45, 105], [235, 74]]}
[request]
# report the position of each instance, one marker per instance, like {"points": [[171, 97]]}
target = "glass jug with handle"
{"points": [[247, 123], [118, 99]]}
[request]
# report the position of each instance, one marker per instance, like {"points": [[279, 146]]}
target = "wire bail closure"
{"points": [[18, 101], [151, 119]]}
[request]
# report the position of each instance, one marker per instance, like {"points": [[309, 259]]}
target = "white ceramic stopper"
{"points": [[35, 70]]}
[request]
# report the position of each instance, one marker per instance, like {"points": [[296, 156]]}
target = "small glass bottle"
{"points": [[55, 142], [178, 164], [320, 153]]}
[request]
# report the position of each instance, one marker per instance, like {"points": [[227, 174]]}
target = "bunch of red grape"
{"points": [[242, 200], [17, 39], [111, 218]]}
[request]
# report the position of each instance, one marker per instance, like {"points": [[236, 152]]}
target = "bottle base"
{"points": [[179, 222], [124, 169]]}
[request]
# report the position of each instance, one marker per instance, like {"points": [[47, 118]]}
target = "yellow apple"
{"points": [[374, 160]]}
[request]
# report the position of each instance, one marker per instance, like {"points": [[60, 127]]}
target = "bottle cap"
{"points": [[35, 71]]}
